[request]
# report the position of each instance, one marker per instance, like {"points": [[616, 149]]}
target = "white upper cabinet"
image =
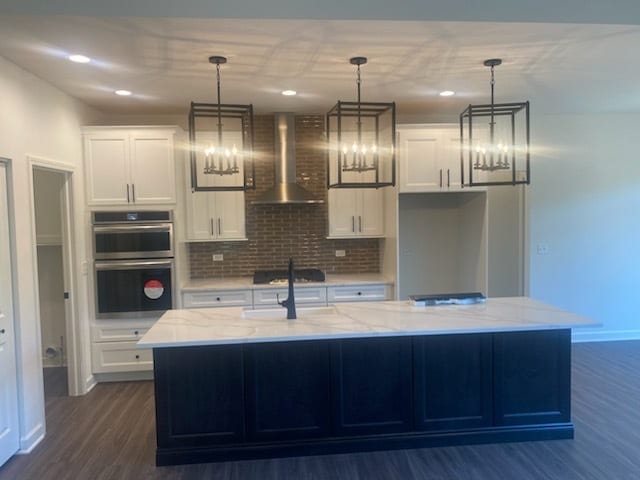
{"points": [[356, 212], [215, 216], [130, 166], [429, 158]]}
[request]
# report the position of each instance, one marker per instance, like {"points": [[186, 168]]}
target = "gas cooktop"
{"points": [[279, 277]]}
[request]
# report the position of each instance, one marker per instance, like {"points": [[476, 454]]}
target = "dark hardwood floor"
{"points": [[110, 434]]}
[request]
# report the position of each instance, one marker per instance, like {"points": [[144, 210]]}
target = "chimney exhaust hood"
{"points": [[285, 189]]}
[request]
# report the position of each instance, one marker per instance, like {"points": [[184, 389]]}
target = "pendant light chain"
{"points": [[358, 81], [219, 109], [493, 122]]}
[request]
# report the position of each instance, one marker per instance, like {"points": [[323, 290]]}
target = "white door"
{"points": [[9, 437]]}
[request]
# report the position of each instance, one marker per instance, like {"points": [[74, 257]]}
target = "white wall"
{"points": [[37, 120], [585, 204]]}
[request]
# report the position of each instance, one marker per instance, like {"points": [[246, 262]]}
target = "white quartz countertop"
{"points": [[242, 283], [233, 325]]}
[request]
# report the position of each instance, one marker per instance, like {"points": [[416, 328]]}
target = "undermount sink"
{"points": [[307, 312]]}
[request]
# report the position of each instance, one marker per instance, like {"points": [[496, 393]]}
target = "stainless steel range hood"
{"points": [[285, 189]]}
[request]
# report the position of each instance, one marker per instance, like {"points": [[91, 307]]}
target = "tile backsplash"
{"points": [[277, 232]]}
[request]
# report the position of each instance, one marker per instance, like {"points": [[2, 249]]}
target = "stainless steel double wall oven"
{"points": [[134, 266]]}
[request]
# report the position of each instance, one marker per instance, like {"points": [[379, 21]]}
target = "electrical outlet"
{"points": [[543, 248], [218, 257], [341, 253]]}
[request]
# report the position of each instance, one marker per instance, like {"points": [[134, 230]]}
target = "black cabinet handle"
{"points": [[2, 330], [137, 357], [217, 299], [136, 332], [359, 293]]}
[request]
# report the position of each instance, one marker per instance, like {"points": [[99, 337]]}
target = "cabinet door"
{"points": [[199, 224], [418, 161], [107, 164], [532, 372], [343, 212], [452, 381], [371, 387], [370, 212], [229, 216], [449, 158], [287, 390], [199, 396], [153, 168]]}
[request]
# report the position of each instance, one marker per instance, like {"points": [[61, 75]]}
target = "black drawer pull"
{"points": [[2, 331], [217, 299], [359, 293], [136, 332], [137, 357]]}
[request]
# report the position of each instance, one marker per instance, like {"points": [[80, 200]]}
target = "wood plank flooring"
{"points": [[110, 434]]}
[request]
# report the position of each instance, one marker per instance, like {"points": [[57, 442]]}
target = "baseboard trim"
{"points": [[31, 440], [123, 376], [89, 383], [604, 336]]}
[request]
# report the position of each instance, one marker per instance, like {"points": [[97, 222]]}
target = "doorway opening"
{"points": [[52, 218]]}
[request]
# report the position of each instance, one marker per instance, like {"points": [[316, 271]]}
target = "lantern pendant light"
{"points": [[361, 141], [221, 143], [495, 152]]}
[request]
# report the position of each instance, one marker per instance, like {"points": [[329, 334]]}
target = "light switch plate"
{"points": [[543, 248], [341, 253], [218, 257]]}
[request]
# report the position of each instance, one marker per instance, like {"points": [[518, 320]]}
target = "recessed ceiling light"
{"points": [[79, 58], [289, 93], [447, 93], [122, 93]]}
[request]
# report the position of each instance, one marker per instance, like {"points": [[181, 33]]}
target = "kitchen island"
{"points": [[234, 384]]}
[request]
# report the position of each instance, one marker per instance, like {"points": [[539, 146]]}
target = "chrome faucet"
{"points": [[290, 302]]}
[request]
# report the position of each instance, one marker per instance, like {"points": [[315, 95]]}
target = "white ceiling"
{"points": [[559, 67]]}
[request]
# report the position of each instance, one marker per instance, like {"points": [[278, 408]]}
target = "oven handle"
{"points": [[132, 264], [159, 227]]}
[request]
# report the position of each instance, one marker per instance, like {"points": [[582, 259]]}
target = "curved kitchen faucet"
{"points": [[290, 302]]}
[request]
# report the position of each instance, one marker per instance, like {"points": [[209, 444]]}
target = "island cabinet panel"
{"points": [[287, 390], [199, 396], [532, 377], [452, 382], [371, 385]]}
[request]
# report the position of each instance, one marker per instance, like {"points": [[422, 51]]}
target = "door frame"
{"points": [[73, 328], [8, 165]]}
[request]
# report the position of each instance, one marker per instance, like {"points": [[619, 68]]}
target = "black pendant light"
{"points": [[221, 143], [361, 142], [494, 141]]}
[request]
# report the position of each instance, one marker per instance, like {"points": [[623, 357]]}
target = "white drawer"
{"points": [[222, 298], [110, 333], [357, 293], [266, 297], [109, 357]]}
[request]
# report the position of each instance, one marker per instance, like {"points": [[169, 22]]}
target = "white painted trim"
{"points": [[89, 383], [72, 326], [604, 336], [31, 440]]}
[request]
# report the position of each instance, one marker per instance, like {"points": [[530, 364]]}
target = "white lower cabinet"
{"points": [[358, 293], [113, 357], [309, 296], [113, 347], [217, 298]]}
